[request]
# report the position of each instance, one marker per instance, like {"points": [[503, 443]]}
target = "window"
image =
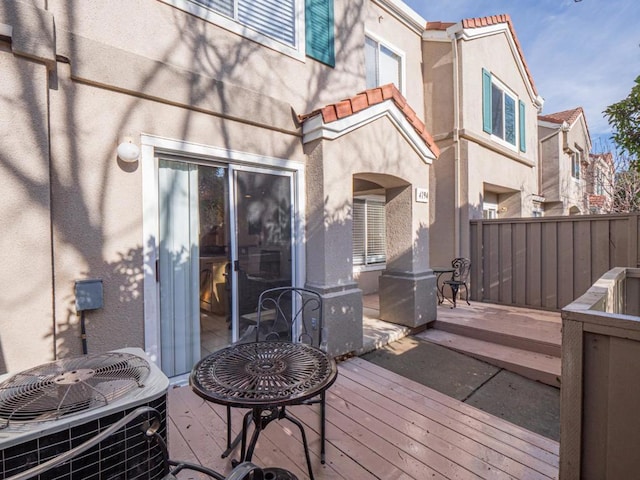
{"points": [[369, 234], [273, 18], [576, 158], [274, 23], [383, 65], [599, 187], [500, 116]]}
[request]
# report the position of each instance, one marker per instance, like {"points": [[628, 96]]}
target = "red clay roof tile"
{"points": [[368, 98], [568, 116]]}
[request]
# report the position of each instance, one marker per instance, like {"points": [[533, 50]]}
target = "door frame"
{"points": [[152, 147]]}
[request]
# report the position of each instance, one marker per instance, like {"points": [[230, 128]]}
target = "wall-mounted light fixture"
{"points": [[128, 151]]}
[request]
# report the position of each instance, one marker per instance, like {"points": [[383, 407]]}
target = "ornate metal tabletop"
{"points": [[263, 373]]}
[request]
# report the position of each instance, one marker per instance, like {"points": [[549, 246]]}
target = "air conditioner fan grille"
{"points": [[69, 386]]}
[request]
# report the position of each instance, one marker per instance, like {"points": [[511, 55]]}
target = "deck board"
{"points": [[379, 425]]}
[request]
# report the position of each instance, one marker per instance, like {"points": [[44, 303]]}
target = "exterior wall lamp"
{"points": [[128, 151]]}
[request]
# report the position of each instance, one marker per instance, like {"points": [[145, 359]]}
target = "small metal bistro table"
{"points": [[265, 377], [439, 271]]}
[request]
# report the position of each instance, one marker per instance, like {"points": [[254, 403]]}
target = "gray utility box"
{"points": [[88, 295]]}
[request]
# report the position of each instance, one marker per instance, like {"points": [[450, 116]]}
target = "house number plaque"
{"points": [[422, 195]]}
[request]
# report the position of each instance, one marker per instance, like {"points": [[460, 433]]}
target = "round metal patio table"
{"points": [[265, 377]]}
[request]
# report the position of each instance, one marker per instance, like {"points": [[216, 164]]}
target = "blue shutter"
{"points": [[523, 138], [319, 30], [486, 101]]}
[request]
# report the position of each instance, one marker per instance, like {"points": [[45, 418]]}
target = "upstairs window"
{"points": [[383, 64], [369, 231], [503, 115], [599, 187], [273, 18], [576, 160], [277, 24]]}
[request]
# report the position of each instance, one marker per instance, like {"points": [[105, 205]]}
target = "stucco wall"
{"points": [[478, 161], [161, 32], [26, 323], [126, 68]]}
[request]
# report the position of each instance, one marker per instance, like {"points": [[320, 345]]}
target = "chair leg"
{"points": [[466, 293], [304, 441], [232, 444], [454, 294], [322, 427]]}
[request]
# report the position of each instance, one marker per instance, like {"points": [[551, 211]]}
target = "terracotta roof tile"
{"points": [[439, 25], [368, 98], [485, 22], [568, 116]]}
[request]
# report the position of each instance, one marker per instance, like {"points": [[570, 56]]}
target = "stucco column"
{"points": [[407, 287], [329, 254]]}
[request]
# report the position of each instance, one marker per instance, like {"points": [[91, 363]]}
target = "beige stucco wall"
{"points": [[26, 323], [477, 161], [562, 192], [390, 31], [127, 68]]}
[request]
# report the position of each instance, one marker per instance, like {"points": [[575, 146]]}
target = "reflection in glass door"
{"points": [[215, 251], [210, 275], [263, 239]]}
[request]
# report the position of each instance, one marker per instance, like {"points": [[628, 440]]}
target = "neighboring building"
{"points": [[237, 186], [565, 144], [600, 179], [481, 106]]}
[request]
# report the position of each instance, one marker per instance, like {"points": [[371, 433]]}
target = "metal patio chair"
{"points": [[289, 314], [156, 459], [459, 278]]}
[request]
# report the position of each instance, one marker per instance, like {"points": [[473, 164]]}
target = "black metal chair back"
{"points": [[462, 269], [459, 278], [290, 314]]}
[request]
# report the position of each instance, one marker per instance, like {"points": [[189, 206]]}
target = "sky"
{"points": [[580, 54]]}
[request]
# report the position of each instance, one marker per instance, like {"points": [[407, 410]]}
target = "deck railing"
{"points": [[600, 393]]}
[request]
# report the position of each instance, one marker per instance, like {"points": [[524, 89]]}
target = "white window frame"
{"points": [[576, 162], [516, 118], [374, 265], [397, 51], [599, 184], [296, 51]]}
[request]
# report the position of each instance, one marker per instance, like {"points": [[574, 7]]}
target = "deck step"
{"points": [[534, 365], [540, 336]]}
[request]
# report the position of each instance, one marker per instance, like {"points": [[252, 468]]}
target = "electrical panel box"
{"points": [[88, 295]]}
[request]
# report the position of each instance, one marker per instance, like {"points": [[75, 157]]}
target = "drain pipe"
{"points": [[456, 146]]}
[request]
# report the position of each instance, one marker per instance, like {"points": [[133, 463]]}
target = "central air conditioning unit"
{"points": [[49, 409]]}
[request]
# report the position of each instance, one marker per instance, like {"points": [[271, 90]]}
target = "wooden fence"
{"points": [[548, 262]]}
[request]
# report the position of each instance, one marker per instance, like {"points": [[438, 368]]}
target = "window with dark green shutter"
{"points": [[500, 116], [319, 31]]}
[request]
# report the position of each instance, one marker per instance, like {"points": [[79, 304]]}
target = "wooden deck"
{"points": [[379, 425]]}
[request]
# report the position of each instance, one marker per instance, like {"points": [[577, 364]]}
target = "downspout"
{"points": [[456, 147]]}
